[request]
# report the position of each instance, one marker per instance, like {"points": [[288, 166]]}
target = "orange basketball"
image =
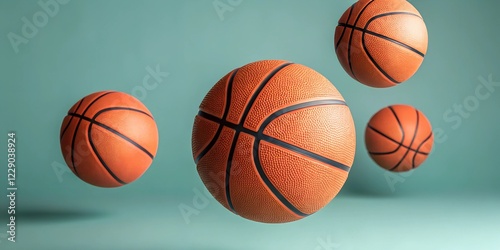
{"points": [[273, 141], [108, 139], [381, 43], [399, 138]]}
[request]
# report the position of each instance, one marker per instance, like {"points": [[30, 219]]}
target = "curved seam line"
{"points": [[389, 138], [418, 148], [121, 108], [227, 104], [71, 119], [101, 160], [273, 140], [246, 111], [93, 121], [343, 30], [411, 143], [78, 125], [350, 40]]}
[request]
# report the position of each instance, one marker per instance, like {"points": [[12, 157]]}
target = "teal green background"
{"points": [[450, 202]]}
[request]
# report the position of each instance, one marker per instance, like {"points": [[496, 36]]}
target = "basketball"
{"points": [[399, 138], [381, 43], [108, 139], [273, 141]]}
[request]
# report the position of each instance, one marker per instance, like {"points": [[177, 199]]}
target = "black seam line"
{"points": [[304, 152], [365, 48], [96, 152], [309, 154], [76, 130], [388, 153], [260, 136], [120, 108], [278, 142], [228, 171], [248, 107], [70, 120], [100, 112], [418, 148], [411, 143], [365, 30], [389, 138], [269, 184], [229, 89], [403, 135], [343, 31], [400, 144], [400, 127], [93, 121], [259, 89], [350, 39], [413, 139], [226, 123]]}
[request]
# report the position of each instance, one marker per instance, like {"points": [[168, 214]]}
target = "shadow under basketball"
{"points": [[56, 214]]}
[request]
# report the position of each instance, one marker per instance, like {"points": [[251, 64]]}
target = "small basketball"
{"points": [[108, 139], [399, 138], [381, 43], [273, 141]]}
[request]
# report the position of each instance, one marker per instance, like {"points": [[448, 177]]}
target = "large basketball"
{"points": [[381, 43], [273, 141], [108, 139]]}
